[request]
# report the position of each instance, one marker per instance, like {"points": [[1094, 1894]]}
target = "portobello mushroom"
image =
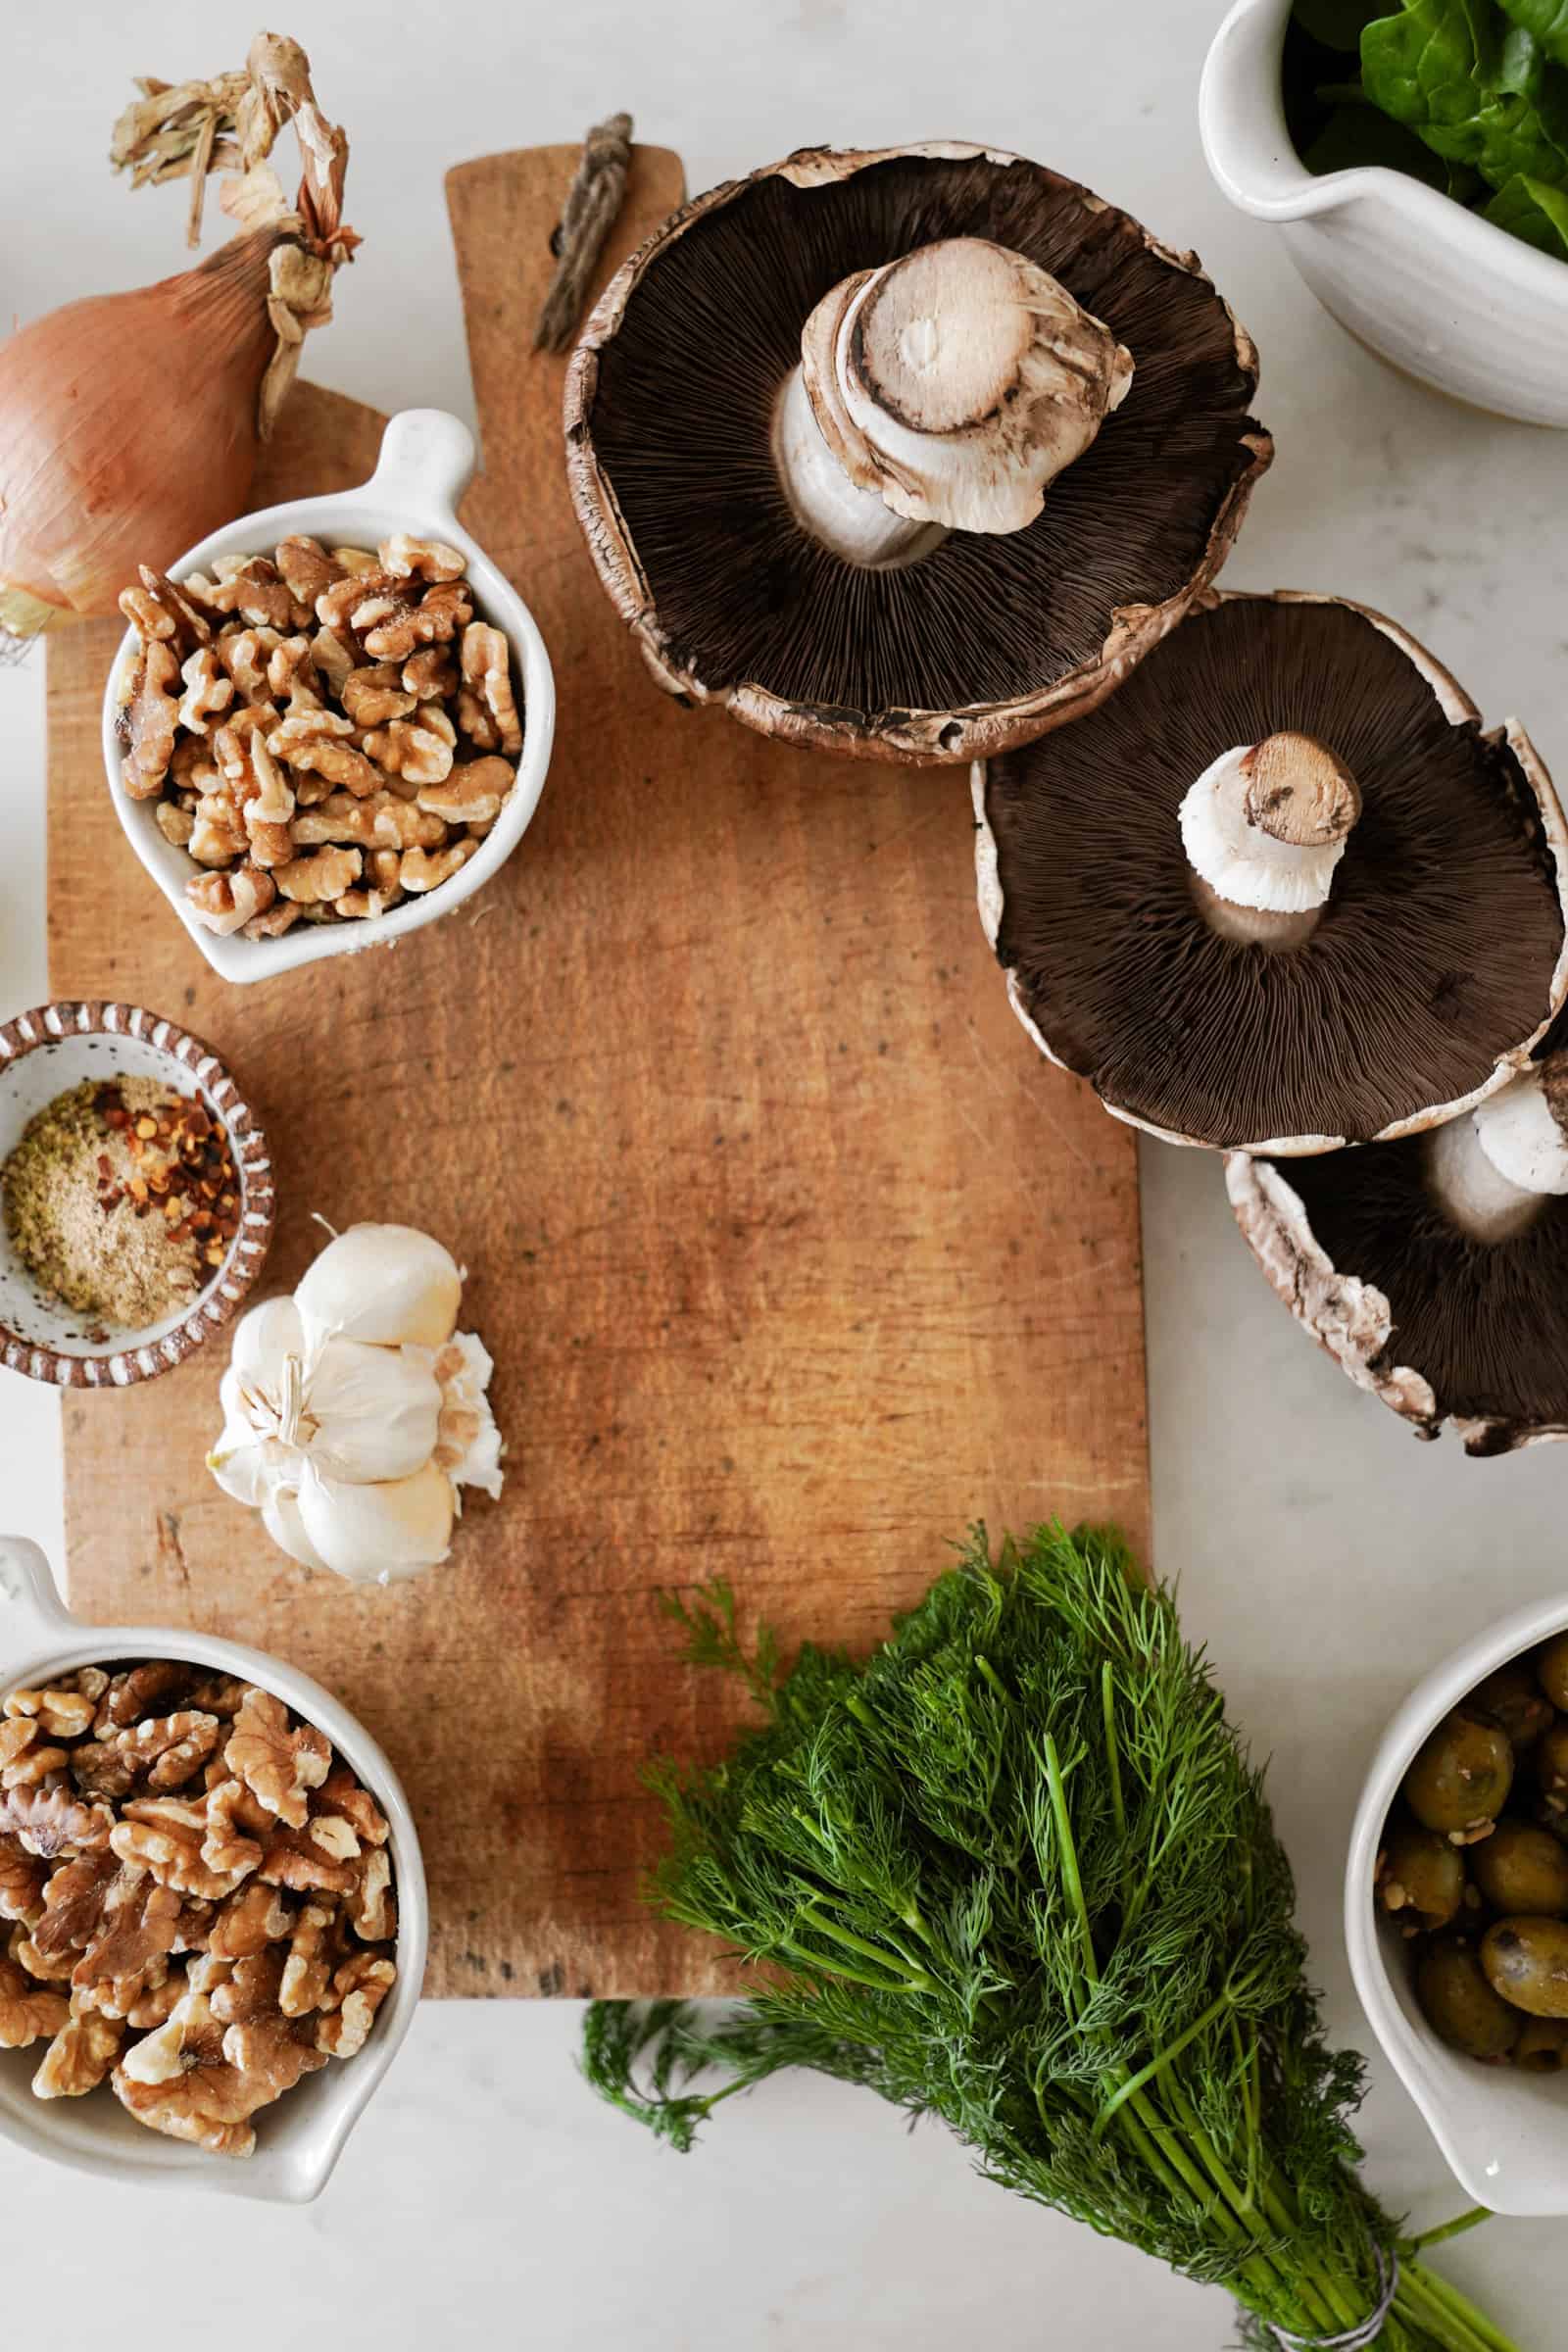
{"points": [[1279, 893], [908, 454], [1435, 1271]]}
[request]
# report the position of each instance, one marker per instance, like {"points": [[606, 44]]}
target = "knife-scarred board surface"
{"points": [[792, 1253]]}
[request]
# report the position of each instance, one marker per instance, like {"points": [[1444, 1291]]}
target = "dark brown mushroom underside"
{"points": [[1434, 956], [1488, 1327], [681, 421]]}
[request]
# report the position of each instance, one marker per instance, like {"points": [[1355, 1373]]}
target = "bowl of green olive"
{"points": [[1456, 1908]]}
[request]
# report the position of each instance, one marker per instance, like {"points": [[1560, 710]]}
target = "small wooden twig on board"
{"points": [[591, 204]]}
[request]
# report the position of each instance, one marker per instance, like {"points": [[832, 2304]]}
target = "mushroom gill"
{"points": [[1483, 1324], [1435, 956], [672, 423]]}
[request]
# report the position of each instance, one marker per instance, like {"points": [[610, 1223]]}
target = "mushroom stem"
{"points": [[942, 391], [1493, 1172], [1264, 827]]}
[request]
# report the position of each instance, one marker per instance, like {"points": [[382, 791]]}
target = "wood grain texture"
{"points": [[793, 1255]]}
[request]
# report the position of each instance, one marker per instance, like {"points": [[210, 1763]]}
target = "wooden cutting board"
{"points": [[793, 1255]]}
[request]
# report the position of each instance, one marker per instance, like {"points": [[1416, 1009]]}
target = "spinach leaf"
{"points": [[1529, 209], [1546, 20], [1447, 70]]}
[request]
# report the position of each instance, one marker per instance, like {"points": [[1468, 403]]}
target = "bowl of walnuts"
{"points": [[213, 1912], [329, 724]]}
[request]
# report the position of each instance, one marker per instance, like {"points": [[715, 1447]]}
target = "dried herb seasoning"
{"points": [[121, 1200]]}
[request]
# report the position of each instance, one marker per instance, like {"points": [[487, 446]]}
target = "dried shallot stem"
{"points": [[231, 123]]}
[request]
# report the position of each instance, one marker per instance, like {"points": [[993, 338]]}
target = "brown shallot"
{"points": [[130, 424]]}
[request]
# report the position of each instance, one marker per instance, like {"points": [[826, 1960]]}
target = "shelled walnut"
{"points": [[270, 702], [197, 1894]]}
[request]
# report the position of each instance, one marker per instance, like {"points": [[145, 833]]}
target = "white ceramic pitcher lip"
{"points": [[1504, 2133], [1240, 116], [425, 462], [300, 2139]]}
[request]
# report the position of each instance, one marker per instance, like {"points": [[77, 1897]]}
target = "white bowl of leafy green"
{"points": [[1417, 158]]}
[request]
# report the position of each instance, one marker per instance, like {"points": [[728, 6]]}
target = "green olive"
{"points": [[1461, 1775], [1550, 1760], [1551, 1669], [1526, 1961], [1421, 1877], [1543, 2047], [1460, 2005], [1522, 1868], [1512, 1697]]}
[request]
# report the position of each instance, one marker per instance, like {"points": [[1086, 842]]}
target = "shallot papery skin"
{"points": [[128, 430]]}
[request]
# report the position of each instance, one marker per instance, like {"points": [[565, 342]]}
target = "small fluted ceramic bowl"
{"points": [[1444, 295], [427, 462], [1503, 2132], [299, 2140], [46, 1052]]}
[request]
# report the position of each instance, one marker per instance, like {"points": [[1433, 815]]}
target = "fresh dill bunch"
{"points": [[1016, 1872]]}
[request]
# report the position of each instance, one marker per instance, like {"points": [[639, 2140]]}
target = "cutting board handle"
{"points": [[427, 459]]}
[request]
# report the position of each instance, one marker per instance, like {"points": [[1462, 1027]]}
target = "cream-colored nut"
{"points": [[335, 606], [357, 560], [471, 794], [437, 717], [208, 690], [291, 673], [307, 567], [401, 825], [226, 903], [332, 659], [173, 823], [255, 592], [194, 766], [431, 674], [302, 728], [149, 721], [339, 818], [392, 626], [279, 918], [421, 871], [412, 558], [273, 799], [373, 695], [418, 753], [318, 879], [217, 833], [360, 906], [487, 708], [382, 872], [245, 653]]}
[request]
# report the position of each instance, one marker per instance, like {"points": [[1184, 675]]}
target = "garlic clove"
{"points": [[379, 1534], [388, 1285], [280, 1516], [247, 1463], [262, 1338], [370, 1413], [468, 1443]]}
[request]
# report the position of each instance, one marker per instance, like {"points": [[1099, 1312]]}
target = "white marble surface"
{"points": [[1326, 1557]]}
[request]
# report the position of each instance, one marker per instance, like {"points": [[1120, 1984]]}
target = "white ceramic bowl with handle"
{"points": [[1504, 2133], [1437, 291], [299, 2140], [427, 462]]}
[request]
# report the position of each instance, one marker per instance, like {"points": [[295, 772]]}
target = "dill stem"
{"points": [[1447, 2230], [1455, 2311], [1150, 2122], [1107, 1708], [911, 1980]]}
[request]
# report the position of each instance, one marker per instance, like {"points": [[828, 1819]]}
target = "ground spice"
{"points": [[121, 1200]]}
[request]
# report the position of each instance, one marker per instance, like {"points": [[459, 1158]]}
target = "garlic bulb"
{"points": [[354, 1411]]}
